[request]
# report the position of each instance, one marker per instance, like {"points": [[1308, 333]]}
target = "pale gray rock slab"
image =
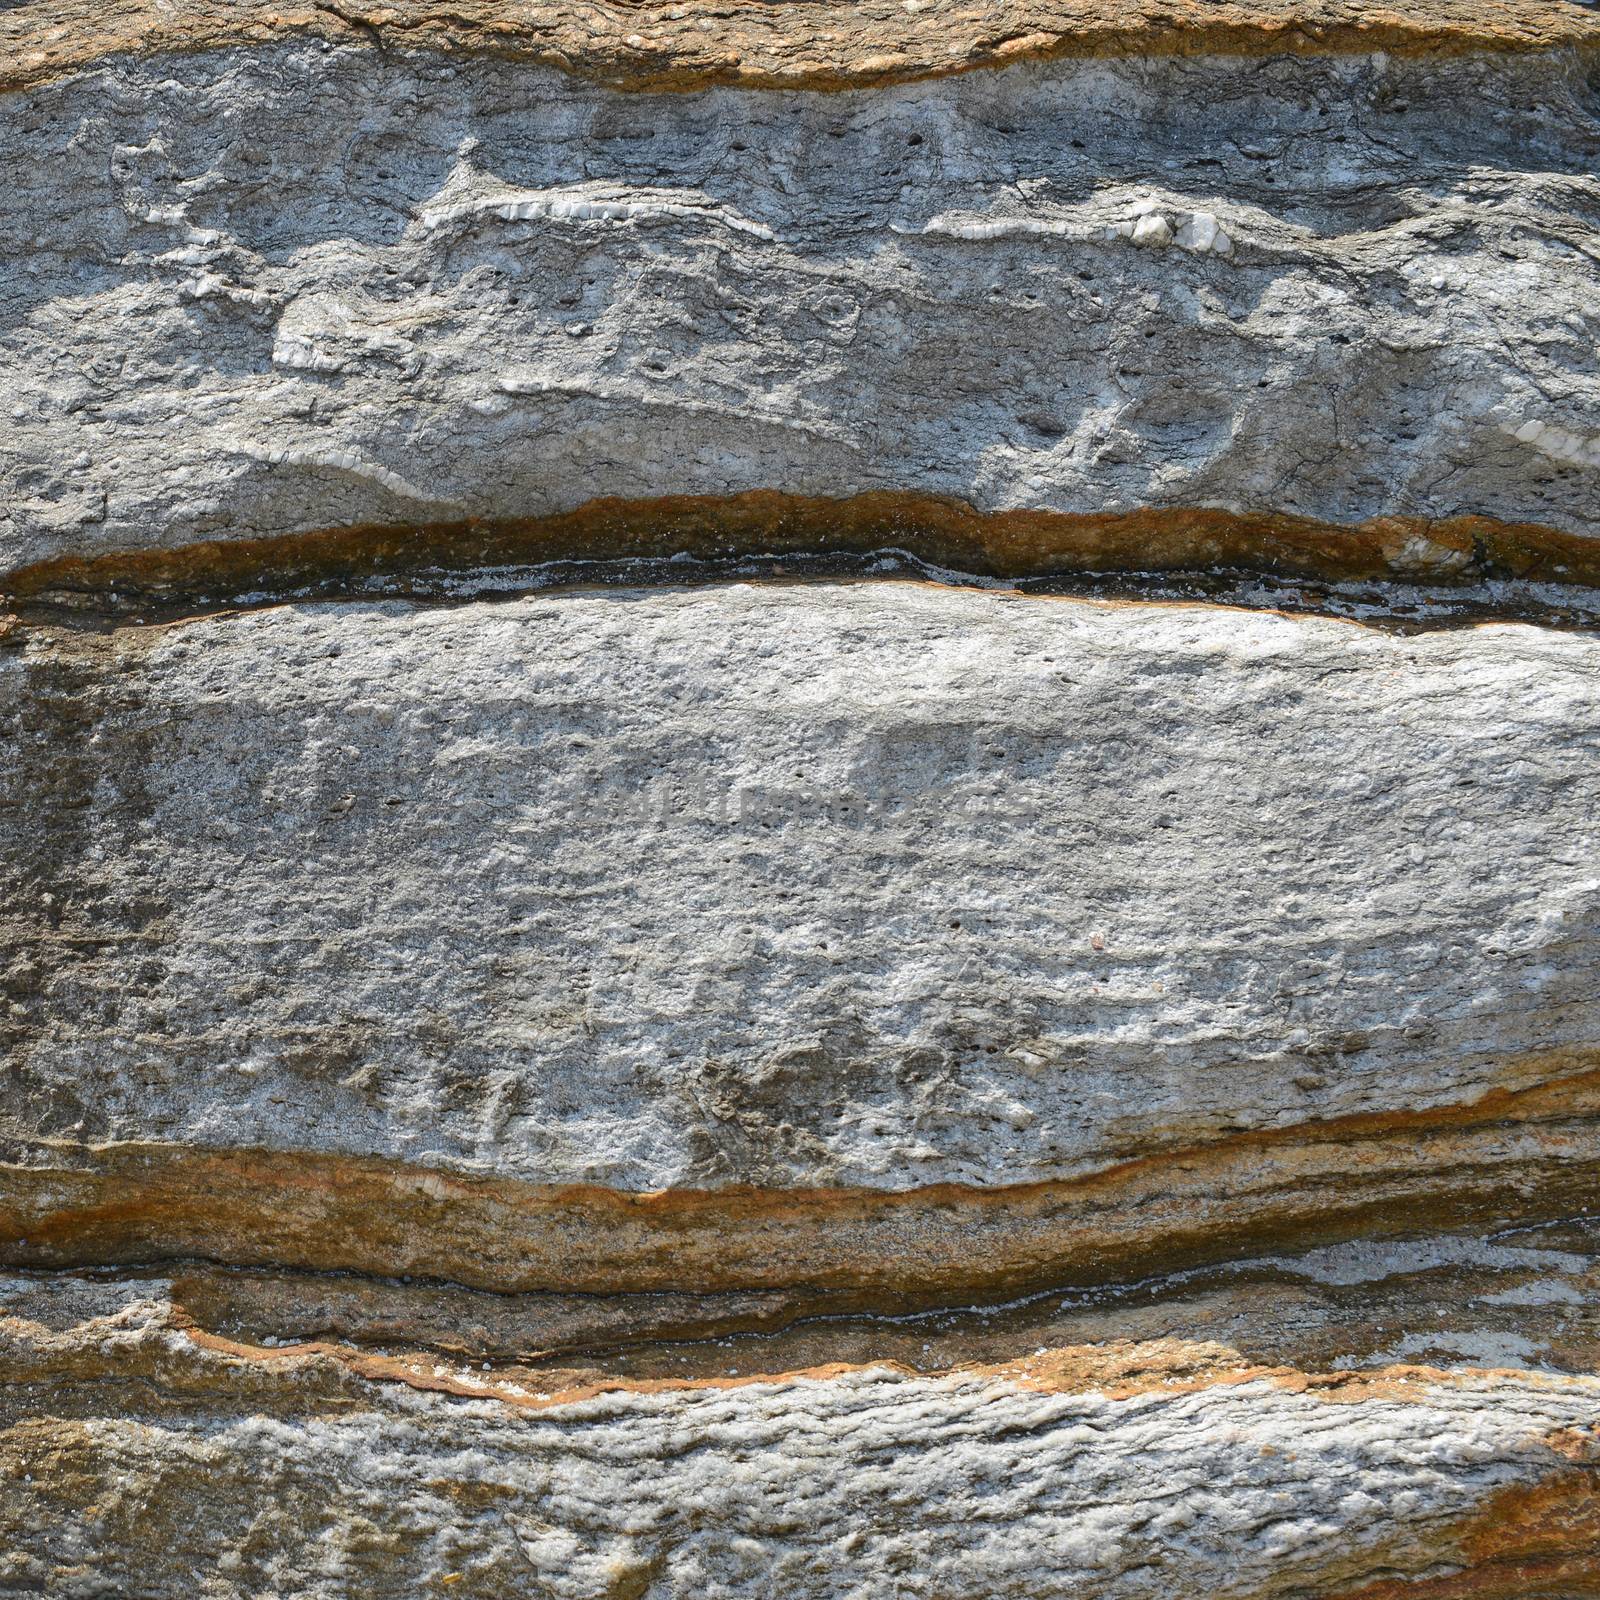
{"points": [[253, 292], [835, 884]]}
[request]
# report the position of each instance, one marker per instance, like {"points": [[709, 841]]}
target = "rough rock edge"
{"points": [[750, 45], [1317, 1183]]}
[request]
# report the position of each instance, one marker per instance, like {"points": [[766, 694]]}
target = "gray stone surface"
{"points": [[288, 1477], [314, 916], [859, 884], [258, 292]]}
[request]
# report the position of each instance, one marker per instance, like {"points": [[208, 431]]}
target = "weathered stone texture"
{"points": [[1158, 1470], [799, 885], [755, 1076], [629, 45], [258, 292], [1211, 923]]}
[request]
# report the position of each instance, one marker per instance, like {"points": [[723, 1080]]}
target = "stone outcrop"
{"points": [[266, 292], [868, 922], [799, 800]]}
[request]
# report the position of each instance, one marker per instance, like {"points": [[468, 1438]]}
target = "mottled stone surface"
{"points": [[1157, 1470], [255, 292], [839, 884]]}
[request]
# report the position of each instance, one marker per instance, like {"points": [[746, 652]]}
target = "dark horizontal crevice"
{"points": [[1278, 1309], [1405, 573]]}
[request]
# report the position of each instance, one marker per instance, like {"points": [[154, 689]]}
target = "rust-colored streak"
{"points": [[1016, 544], [750, 44], [1119, 1370], [1515, 1153], [1530, 1540]]}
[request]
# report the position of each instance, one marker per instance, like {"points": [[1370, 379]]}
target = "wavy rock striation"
{"points": [[566, 1029], [1139, 1470], [263, 291]]}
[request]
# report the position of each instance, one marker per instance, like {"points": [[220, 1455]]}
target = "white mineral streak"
{"points": [[1581, 450], [960, 226], [1152, 229], [577, 205], [1201, 232]]}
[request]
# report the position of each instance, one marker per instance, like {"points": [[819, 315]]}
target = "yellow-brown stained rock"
{"points": [[753, 45], [1527, 1154]]}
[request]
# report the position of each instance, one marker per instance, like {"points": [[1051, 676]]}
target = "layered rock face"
{"points": [[269, 290], [751, 840], [1031, 932]]}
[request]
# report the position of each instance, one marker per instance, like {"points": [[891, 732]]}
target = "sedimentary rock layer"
{"points": [[1523, 1297], [1166, 1469], [257, 293], [1454, 566], [679, 47], [750, 1077], [907, 936]]}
